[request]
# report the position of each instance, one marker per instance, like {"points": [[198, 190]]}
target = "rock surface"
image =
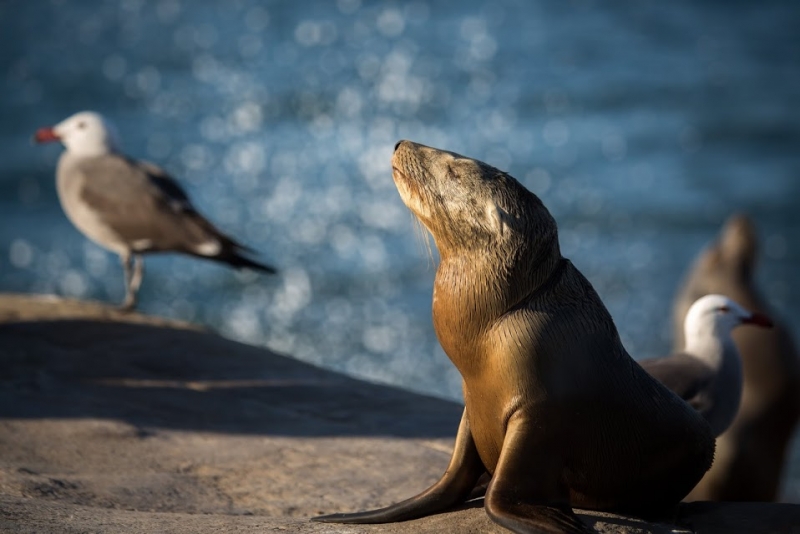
{"points": [[115, 422]]}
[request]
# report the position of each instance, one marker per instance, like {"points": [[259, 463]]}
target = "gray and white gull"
{"points": [[708, 373], [131, 207]]}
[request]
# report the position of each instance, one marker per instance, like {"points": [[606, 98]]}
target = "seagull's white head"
{"points": [[84, 134], [716, 316]]}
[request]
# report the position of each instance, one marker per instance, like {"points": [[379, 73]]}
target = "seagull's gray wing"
{"points": [[687, 376], [146, 208], [148, 211], [179, 200], [167, 185]]}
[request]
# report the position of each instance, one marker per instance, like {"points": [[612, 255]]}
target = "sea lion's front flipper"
{"points": [[479, 491], [453, 488], [537, 502]]}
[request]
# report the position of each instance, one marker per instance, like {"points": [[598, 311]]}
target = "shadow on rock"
{"points": [[166, 377]]}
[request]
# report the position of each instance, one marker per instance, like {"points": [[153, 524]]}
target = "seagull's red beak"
{"points": [[45, 135], [758, 319]]}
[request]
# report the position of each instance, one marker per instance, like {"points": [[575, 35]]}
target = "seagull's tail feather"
{"points": [[238, 261], [228, 250]]}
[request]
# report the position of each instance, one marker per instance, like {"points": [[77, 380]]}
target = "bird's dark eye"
{"points": [[81, 125], [723, 309]]}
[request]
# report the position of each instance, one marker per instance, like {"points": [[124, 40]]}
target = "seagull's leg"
{"points": [[130, 296], [138, 274]]}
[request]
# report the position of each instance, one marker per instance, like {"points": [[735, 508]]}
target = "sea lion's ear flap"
{"points": [[499, 219]]}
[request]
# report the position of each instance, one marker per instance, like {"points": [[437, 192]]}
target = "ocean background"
{"points": [[642, 125]]}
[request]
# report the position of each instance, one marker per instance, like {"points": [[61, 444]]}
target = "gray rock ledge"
{"points": [[116, 422]]}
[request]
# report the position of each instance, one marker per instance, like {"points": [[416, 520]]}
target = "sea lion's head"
{"points": [[469, 206], [726, 266], [735, 251]]}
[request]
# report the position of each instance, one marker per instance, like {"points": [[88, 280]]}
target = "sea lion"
{"points": [[707, 373], [752, 452], [556, 411]]}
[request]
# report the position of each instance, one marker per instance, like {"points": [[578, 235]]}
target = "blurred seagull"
{"points": [[130, 207], [756, 448], [708, 374]]}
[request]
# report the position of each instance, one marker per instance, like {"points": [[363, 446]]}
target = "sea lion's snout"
{"points": [[406, 168], [407, 146], [423, 176], [737, 245], [401, 181], [405, 152]]}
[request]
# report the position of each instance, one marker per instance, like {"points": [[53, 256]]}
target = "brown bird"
{"points": [[130, 207]]}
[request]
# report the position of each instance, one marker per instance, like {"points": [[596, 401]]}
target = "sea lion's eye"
{"points": [[81, 125], [451, 173]]}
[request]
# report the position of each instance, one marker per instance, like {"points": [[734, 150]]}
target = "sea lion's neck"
{"points": [[537, 273], [472, 292]]}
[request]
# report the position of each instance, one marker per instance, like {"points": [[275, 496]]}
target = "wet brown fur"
{"points": [[556, 410]]}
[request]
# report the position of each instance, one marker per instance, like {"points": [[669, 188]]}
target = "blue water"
{"points": [[642, 125]]}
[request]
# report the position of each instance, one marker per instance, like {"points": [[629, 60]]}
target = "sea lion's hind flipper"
{"points": [[538, 519], [535, 503], [452, 489], [426, 503], [479, 491]]}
